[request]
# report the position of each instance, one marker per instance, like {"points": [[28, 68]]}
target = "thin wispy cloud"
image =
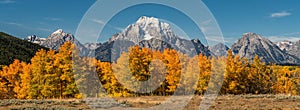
{"points": [[103, 23], [280, 14], [291, 34], [53, 19], [206, 22], [217, 39], [7, 1], [24, 26], [14, 23], [98, 21], [282, 38], [44, 29]]}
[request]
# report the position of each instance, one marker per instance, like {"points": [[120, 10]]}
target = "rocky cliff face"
{"points": [[59, 37], [35, 39], [151, 33], [219, 49], [252, 44], [293, 48], [92, 46]]}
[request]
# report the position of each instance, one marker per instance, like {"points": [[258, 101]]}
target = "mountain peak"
{"points": [[146, 28], [35, 39], [252, 36], [148, 23], [59, 31], [249, 34], [153, 33], [145, 19], [252, 44], [219, 49], [58, 38]]}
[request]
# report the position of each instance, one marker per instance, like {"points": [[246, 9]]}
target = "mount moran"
{"points": [[152, 33]]}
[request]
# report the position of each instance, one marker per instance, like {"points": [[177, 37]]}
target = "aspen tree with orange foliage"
{"points": [[52, 75], [173, 75], [10, 79]]}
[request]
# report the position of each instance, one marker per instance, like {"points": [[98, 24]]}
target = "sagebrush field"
{"points": [[225, 102]]}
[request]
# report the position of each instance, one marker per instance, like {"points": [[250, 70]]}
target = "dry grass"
{"points": [[226, 102]]}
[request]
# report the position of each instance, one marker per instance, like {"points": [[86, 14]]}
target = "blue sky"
{"points": [[274, 19]]}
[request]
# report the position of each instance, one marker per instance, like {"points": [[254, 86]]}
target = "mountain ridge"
{"points": [[252, 44], [148, 28], [151, 33]]}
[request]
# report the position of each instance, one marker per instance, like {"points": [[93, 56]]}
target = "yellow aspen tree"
{"points": [[190, 75], [64, 64], [261, 77], [25, 77], [296, 89], [38, 64], [233, 74], [204, 64], [286, 80], [119, 77], [172, 61], [4, 83], [218, 66], [87, 78], [139, 62], [51, 79], [228, 72], [11, 79], [158, 70], [13, 76]]}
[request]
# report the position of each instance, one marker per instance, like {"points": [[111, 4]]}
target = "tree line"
{"points": [[140, 72]]}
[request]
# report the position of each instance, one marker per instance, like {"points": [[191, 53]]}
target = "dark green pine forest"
{"points": [[12, 48]]}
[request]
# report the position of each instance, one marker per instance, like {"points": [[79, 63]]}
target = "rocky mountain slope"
{"points": [[219, 49], [292, 48], [252, 44], [152, 33], [59, 37]]}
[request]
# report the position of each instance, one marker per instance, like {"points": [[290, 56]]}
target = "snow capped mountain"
{"points": [[92, 46], [59, 31], [59, 37], [295, 49], [290, 47], [35, 39], [151, 33], [145, 29], [252, 44], [285, 45]]}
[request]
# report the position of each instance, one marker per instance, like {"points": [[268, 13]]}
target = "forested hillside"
{"points": [[14, 48]]}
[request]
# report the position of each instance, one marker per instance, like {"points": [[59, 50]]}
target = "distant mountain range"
{"points": [[292, 48], [252, 44], [152, 33]]}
